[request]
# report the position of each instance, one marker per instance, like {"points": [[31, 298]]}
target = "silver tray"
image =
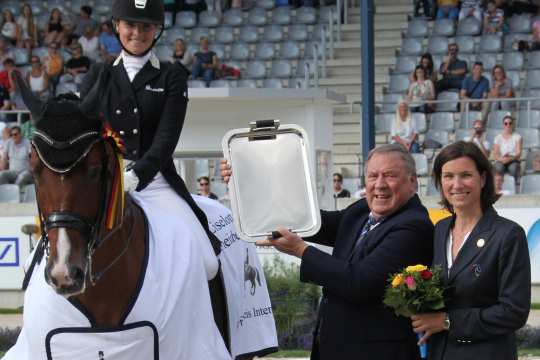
{"points": [[271, 183]]}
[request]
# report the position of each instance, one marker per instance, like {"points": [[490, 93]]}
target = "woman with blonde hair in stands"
{"points": [[27, 36], [9, 26], [420, 90], [404, 129]]}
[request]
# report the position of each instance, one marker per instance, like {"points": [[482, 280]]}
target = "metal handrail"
{"points": [[331, 37], [18, 112]]}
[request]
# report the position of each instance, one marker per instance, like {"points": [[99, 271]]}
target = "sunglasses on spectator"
{"points": [[478, 128], [507, 123], [204, 184]]}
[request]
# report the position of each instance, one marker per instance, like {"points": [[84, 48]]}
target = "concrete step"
{"points": [[396, 25], [352, 90], [353, 70], [379, 35], [345, 159], [350, 80], [385, 17], [386, 9], [347, 128], [347, 118], [378, 44], [342, 51], [346, 149], [350, 138], [386, 61], [347, 170]]}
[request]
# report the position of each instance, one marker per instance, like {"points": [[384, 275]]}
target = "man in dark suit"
{"points": [[372, 238]]}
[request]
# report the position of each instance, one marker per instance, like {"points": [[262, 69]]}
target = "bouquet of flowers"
{"points": [[414, 290]]}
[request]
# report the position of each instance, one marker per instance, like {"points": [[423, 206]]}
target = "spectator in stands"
{"points": [[37, 78], [507, 149], [205, 63], [5, 75], [204, 188], [471, 8], [54, 64], [501, 88], [448, 9], [54, 31], [84, 20], [197, 6], [452, 69], [109, 45], [27, 36], [15, 159], [420, 90], [493, 19], [427, 6], [5, 102], [535, 43], [403, 129], [78, 64], [339, 190], [90, 43], [9, 28], [181, 54], [5, 52], [426, 62], [523, 6], [478, 137], [498, 179], [475, 86]]}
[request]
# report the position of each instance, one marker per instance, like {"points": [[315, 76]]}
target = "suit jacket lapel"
{"points": [[471, 249], [355, 231], [147, 73], [441, 249]]}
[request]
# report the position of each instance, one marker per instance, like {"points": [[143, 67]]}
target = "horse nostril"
{"points": [[76, 273]]}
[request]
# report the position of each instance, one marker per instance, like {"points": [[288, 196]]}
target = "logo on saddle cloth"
{"points": [[251, 273], [101, 355]]}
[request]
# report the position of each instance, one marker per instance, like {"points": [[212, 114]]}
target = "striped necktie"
{"points": [[371, 221]]}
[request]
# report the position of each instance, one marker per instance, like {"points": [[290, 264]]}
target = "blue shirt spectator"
{"points": [[108, 43], [475, 86]]}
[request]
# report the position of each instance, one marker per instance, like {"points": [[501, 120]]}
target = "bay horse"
{"points": [[251, 274], [95, 237]]}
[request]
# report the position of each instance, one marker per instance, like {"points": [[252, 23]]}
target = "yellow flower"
{"points": [[415, 268], [398, 280]]}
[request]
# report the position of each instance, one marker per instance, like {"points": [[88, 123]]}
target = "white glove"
{"points": [[131, 181]]}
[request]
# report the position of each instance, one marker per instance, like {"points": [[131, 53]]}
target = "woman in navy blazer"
{"points": [[485, 264]]}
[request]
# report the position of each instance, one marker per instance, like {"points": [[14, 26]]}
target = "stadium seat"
{"points": [[420, 121], [298, 83], [186, 19], [257, 16], [531, 137], [398, 83], [249, 34], [266, 4], [298, 32], [489, 60], [281, 69], [101, 8], [246, 83], [282, 15], [510, 39], [306, 15], [272, 84], [444, 27], [442, 121], [240, 51], [196, 84], [509, 184], [325, 12], [256, 69], [319, 32], [303, 66], [441, 136], [225, 35], [219, 49], [289, 50], [421, 162], [447, 106], [164, 52], [466, 120], [198, 32], [532, 155], [491, 134], [533, 79], [273, 33], [513, 60], [209, 19], [528, 119], [533, 93], [167, 19], [465, 44], [233, 17], [520, 24], [469, 26], [437, 45], [533, 60], [40, 52], [390, 102], [411, 46], [20, 56], [495, 118], [461, 134], [220, 84], [310, 50], [530, 184], [264, 51], [29, 194], [431, 189], [469, 58], [383, 123], [9, 193], [417, 27], [490, 43], [174, 33], [405, 65]]}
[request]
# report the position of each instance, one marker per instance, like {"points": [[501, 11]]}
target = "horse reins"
{"points": [[75, 221]]}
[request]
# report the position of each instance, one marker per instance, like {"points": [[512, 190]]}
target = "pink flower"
{"points": [[409, 280]]}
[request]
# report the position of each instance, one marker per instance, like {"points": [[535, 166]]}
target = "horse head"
{"points": [[71, 164]]}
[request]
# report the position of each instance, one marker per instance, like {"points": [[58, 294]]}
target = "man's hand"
{"points": [[288, 243], [226, 171], [429, 324]]}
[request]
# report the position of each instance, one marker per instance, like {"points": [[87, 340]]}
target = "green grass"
{"points": [[11, 311], [529, 352], [535, 306], [290, 354]]}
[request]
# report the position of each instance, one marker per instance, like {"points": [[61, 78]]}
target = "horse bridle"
{"points": [[66, 219]]}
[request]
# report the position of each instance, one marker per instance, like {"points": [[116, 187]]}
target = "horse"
{"points": [[250, 274], [96, 241]]}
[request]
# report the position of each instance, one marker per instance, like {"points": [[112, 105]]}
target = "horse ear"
{"points": [[36, 106]]}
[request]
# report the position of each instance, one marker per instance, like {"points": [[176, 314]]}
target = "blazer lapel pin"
{"points": [[480, 243], [477, 269]]}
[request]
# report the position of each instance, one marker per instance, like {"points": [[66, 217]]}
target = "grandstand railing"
{"points": [[19, 114]]}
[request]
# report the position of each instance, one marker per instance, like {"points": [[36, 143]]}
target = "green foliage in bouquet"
{"points": [[414, 290]]}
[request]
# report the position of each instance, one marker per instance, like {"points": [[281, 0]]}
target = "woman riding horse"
{"points": [[145, 102]]}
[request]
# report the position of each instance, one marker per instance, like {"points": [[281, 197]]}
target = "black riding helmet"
{"points": [[144, 11]]}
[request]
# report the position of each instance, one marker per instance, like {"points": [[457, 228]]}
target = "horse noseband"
{"points": [[69, 220]]}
